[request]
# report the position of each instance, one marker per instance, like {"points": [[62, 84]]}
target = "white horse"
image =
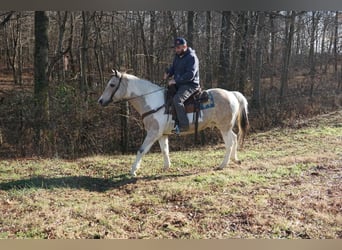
{"points": [[149, 99]]}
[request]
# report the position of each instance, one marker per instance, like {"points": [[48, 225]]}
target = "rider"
{"points": [[185, 72]]}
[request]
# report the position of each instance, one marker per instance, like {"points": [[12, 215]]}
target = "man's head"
{"points": [[180, 45]]}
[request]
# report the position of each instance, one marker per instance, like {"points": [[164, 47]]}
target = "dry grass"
{"points": [[288, 186]]}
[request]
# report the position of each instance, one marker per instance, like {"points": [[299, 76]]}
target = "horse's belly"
{"points": [[191, 117]]}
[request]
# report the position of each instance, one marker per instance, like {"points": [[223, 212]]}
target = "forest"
{"points": [[54, 66]]}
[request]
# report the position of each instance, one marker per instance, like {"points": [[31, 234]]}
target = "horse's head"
{"points": [[114, 89]]}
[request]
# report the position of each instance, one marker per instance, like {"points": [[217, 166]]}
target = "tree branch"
{"points": [[6, 19]]}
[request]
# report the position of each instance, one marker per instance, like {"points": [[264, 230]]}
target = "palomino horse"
{"points": [[149, 100]]}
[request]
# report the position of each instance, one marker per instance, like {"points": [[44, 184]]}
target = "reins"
{"points": [[136, 97]]}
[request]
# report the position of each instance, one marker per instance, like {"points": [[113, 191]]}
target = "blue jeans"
{"points": [[182, 94]]}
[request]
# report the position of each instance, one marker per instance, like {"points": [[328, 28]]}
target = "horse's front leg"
{"points": [[150, 139], [164, 147]]}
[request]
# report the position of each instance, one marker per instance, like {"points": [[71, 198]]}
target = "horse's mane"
{"points": [[148, 85]]}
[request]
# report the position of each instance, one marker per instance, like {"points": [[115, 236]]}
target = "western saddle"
{"points": [[191, 105]]}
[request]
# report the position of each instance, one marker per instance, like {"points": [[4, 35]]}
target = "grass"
{"points": [[288, 186]]}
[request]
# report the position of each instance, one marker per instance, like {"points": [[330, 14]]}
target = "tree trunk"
{"points": [[289, 31], [19, 64], [41, 83], [332, 34], [243, 54], [208, 62], [172, 25], [323, 56], [124, 127], [234, 72], [84, 53], [311, 53], [98, 48], [151, 47], [141, 19], [58, 55], [70, 43], [224, 59], [298, 35], [258, 60], [336, 44], [190, 22], [272, 54]]}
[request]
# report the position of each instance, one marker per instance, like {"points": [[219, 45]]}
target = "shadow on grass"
{"points": [[89, 183]]}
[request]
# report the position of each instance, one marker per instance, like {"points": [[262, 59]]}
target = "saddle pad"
{"points": [[209, 104]]}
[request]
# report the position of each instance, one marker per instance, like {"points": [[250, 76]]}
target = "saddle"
{"points": [[191, 105]]}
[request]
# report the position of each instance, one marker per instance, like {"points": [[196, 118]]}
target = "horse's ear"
{"points": [[115, 72]]}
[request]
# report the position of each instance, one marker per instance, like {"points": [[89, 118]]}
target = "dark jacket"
{"points": [[185, 69]]}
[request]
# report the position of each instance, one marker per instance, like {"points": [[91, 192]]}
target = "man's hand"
{"points": [[166, 75], [171, 82]]}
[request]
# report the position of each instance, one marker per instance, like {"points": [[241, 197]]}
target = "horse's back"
{"points": [[227, 103], [225, 97]]}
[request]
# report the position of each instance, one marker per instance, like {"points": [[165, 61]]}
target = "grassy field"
{"points": [[289, 185]]}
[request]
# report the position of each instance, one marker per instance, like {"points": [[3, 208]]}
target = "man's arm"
{"points": [[170, 71], [190, 70]]}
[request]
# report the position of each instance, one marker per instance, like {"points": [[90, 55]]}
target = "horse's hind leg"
{"points": [[234, 150], [228, 141], [145, 147], [164, 147]]}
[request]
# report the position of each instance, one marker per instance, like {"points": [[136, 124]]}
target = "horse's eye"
{"points": [[112, 85]]}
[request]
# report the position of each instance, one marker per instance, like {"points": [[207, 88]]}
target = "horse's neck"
{"points": [[147, 94]]}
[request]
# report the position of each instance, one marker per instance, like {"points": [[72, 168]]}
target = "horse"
{"points": [[230, 107]]}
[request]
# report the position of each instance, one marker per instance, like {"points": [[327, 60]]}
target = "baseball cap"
{"points": [[179, 41]]}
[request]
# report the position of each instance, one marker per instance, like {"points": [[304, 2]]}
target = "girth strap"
{"points": [[152, 111]]}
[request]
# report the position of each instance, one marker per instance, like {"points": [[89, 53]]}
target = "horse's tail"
{"points": [[243, 122]]}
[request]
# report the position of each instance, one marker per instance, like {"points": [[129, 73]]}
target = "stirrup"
{"points": [[176, 130]]}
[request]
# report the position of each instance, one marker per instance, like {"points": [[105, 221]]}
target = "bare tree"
{"points": [[224, 60], [258, 59], [289, 32], [209, 66], [86, 16], [41, 81], [312, 52], [190, 27], [336, 43]]}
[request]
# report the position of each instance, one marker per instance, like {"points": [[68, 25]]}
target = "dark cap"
{"points": [[180, 41]]}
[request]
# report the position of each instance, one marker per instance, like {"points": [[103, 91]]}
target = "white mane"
{"points": [[141, 85]]}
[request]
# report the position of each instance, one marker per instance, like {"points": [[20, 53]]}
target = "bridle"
{"points": [[117, 87], [135, 97]]}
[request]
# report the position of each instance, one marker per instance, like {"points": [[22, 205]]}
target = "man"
{"points": [[185, 72]]}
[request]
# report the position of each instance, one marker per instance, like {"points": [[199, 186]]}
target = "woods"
{"points": [[55, 64]]}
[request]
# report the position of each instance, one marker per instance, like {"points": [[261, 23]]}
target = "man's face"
{"points": [[180, 49]]}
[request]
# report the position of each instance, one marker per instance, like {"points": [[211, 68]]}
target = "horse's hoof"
{"points": [[133, 174], [218, 168], [238, 162]]}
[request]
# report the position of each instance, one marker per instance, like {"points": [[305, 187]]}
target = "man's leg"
{"points": [[183, 93]]}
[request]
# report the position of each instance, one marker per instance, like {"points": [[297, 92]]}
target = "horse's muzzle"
{"points": [[101, 102]]}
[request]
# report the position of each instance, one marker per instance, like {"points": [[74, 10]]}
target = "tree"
{"points": [[173, 28], [224, 60], [258, 59], [312, 52], [147, 57], [209, 65], [41, 81], [84, 52], [58, 55], [289, 31], [336, 43], [243, 53], [190, 25]]}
